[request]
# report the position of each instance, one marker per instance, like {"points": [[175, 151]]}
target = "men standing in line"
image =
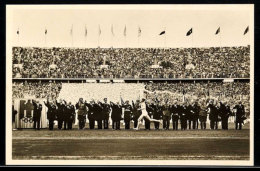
{"points": [[106, 111], [82, 109], [51, 113], [127, 114], [91, 116], [175, 115], [240, 114], [37, 112]]}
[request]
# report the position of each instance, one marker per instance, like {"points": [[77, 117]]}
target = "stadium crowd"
{"points": [[186, 103], [214, 62]]}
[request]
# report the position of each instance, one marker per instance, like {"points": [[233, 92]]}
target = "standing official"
{"points": [[183, 116], [82, 109], [37, 112], [203, 115], [98, 115], [60, 113], [175, 110], [166, 115], [51, 113], [240, 114], [106, 111], [213, 115], [91, 116], [127, 114], [116, 115], [195, 111], [71, 115]]}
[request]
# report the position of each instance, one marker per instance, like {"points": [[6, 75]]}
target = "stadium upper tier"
{"points": [[214, 62]]}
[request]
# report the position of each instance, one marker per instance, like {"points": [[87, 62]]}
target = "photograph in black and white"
{"points": [[131, 82]]}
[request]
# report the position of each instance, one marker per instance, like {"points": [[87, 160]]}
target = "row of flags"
{"points": [[139, 31]]}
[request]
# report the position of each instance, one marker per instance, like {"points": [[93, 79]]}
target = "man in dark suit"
{"points": [[116, 115], [240, 114], [66, 114], [175, 110], [195, 115], [91, 116], [51, 113], [127, 114], [37, 112], [82, 109], [183, 116], [225, 113], [213, 115], [71, 115], [189, 113], [60, 113], [106, 111], [98, 115], [166, 110]]}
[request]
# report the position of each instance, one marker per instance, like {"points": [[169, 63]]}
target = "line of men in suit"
{"points": [[61, 111], [185, 113]]}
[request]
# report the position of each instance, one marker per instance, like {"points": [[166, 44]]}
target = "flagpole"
{"points": [[85, 36], [18, 36], [71, 31], [192, 39], [138, 41], [98, 35], [125, 41], [165, 38], [220, 39], [45, 37]]}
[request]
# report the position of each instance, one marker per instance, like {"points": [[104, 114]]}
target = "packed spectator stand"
{"points": [[214, 62]]}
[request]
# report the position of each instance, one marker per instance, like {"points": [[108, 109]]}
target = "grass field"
{"points": [[129, 144]]}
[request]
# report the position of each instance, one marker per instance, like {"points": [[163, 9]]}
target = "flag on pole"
{"points": [[86, 31], [163, 32], [189, 32], [139, 31], [246, 30], [122, 101], [71, 30], [45, 31], [99, 31], [17, 32], [112, 30], [125, 31], [218, 30]]}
